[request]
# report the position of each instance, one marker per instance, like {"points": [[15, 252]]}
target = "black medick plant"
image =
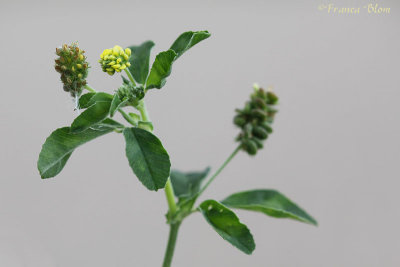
{"points": [[145, 153]]}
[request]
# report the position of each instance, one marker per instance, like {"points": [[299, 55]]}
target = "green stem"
{"points": [[90, 89], [231, 156], [143, 111], [127, 117], [169, 194], [130, 76], [169, 253]]}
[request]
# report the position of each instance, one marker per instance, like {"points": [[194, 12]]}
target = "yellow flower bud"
{"points": [[116, 50], [115, 59]]}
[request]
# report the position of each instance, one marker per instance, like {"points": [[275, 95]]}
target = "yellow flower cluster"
{"points": [[115, 59]]}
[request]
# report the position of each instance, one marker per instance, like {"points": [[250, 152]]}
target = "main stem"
{"points": [[169, 194], [169, 252]]}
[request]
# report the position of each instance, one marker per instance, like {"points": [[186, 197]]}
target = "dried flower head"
{"points": [[73, 67]]}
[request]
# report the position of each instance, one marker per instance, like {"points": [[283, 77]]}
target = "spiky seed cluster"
{"points": [[115, 59], [73, 67], [255, 120], [130, 92]]}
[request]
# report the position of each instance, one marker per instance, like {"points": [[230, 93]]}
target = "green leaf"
{"points": [[91, 116], [140, 61], [187, 184], [108, 123], [188, 39], [89, 99], [161, 69], [84, 99], [147, 158], [227, 225], [59, 146], [117, 103], [269, 202]]}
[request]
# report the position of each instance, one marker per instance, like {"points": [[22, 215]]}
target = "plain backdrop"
{"points": [[335, 149]]}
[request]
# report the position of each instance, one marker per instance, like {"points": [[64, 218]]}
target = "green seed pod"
{"points": [[272, 99], [239, 120], [250, 147], [260, 103], [259, 114], [258, 142], [261, 93], [271, 109], [247, 108], [267, 127], [247, 129], [260, 132], [255, 119]]}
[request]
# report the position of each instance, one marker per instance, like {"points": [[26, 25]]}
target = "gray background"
{"points": [[335, 150]]}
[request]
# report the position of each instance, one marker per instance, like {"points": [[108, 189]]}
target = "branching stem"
{"points": [[90, 89], [130, 76], [231, 156]]}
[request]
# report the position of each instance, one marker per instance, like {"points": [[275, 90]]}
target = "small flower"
{"points": [[73, 67], [115, 59], [255, 120]]}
